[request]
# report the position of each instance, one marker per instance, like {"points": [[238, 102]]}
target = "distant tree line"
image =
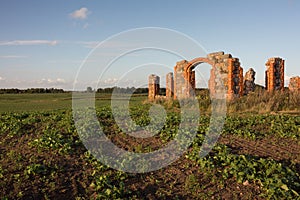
{"points": [[128, 90], [31, 90]]}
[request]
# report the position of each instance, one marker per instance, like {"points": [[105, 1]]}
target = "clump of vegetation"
{"points": [[261, 101]]}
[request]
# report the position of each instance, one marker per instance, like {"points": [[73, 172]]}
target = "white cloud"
{"points": [[287, 80], [91, 44], [111, 81], [28, 42], [286, 77], [82, 13], [52, 81], [12, 56], [37, 83], [108, 44]]}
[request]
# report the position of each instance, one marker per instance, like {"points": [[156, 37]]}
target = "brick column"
{"points": [[249, 85], [294, 84], [282, 75], [271, 76], [169, 85], [189, 82], [267, 80], [241, 81], [275, 74], [230, 84], [153, 86], [180, 80], [211, 82], [193, 80]]}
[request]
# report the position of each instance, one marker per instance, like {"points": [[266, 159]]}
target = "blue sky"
{"points": [[43, 43]]}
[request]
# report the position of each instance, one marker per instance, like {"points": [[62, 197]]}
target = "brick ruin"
{"points": [[169, 85], [230, 72], [249, 85], [224, 67], [182, 84], [275, 74], [153, 86], [294, 84], [226, 73]]}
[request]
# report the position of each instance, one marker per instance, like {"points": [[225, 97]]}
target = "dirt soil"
{"points": [[181, 180]]}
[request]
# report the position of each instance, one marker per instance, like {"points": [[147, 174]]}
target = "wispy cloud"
{"points": [[89, 44], [108, 44], [287, 80], [11, 56], [36, 83], [82, 13], [52, 81], [28, 42], [111, 81]]}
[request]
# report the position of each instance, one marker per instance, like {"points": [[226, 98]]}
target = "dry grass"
{"points": [[262, 101]]}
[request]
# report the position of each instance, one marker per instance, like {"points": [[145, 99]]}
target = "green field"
{"points": [[34, 102], [42, 156], [48, 102]]}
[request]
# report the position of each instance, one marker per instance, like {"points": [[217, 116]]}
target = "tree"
{"points": [[89, 89]]}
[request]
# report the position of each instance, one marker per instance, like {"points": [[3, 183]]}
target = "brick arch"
{"points": [[190, 74], [196, 61], [229, 68], [182, 83]]}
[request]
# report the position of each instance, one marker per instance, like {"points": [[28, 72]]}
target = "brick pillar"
{"points": [[180, 79], [169, 85], [275, 74], [211, 82], [282, 75], [267, 80], [190, 83], [153, 86], [193, 80], [249, 85], [271, 76], [241, 81], [230, 84], [294, 84]]}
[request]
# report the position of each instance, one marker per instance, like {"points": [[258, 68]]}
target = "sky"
{"points": [[48, 43]]}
